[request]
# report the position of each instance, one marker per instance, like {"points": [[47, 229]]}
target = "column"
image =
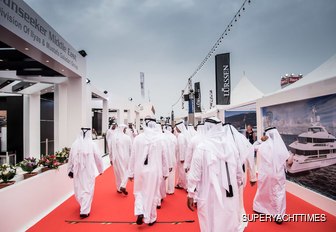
{"points": [[60, 116], [105, 116], [32, 125], [76, 108]]}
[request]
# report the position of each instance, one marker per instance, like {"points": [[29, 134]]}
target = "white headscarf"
{"points": [[81, 149], [201, 129], [213, 127], [182, 128], [279, 150], [243, 146], [191, 130], [150, 130]]}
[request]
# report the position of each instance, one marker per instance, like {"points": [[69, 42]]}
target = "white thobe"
{"points": [[197, 139], [147, 177], [171, 155], [121, 148], [182, 144], [271, 193], [209, 180], [84, 157]]}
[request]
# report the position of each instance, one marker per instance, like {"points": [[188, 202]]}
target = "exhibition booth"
{"points": [[304, 114], [45, 99]]}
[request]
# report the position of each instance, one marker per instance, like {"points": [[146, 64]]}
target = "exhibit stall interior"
{"points": [[45, 100]]}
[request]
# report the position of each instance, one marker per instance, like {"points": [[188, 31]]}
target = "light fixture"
{"points": [[105, 92], [83, 53], [88, 80], [26, 49]]}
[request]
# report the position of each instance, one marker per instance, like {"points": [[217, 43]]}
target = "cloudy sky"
{"points": [[167, 39]]}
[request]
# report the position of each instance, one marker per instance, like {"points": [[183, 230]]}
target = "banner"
{"points": [[182, 100], [211, 98], [198, 107], [142, 84], [223, 86]]}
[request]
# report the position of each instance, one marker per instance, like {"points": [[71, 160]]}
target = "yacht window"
{"points": [[302, 139], [315, 129], [323, 140], [324, 151]]}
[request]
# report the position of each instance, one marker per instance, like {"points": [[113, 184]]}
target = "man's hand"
{"points": [[191, 204], [170, 169], [264, 138], [186, 170], [165, 177]]}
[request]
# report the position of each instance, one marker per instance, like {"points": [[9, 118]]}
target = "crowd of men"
{"points": [[211, 163]]}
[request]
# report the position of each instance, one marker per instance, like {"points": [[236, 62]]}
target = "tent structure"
{"points": [[320, 82], [243, 97]]}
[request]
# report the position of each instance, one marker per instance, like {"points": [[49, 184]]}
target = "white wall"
{"points": [[28, 201]]}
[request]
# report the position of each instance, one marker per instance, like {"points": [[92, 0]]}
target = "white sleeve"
{"points": [[195, 172]]}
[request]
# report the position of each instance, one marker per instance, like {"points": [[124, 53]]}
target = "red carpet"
{"points": [[109, 206]]}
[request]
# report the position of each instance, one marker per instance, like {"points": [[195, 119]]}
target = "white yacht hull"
{"points": [[305, 163]]}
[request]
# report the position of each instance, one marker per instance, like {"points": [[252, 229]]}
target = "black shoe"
{"points": [[84, 215], [278, 221], [158, 207], [178, 187], [152, 223], [123, 190], [119, 191], [139, 220]]}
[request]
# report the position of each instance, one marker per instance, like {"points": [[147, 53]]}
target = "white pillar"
{"points": [[88, 106], [77, 108], [105, 116], [60, 116], [137, 120], [32, 125], [119, 116]]}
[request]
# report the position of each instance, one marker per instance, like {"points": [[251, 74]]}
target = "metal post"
{"points": [[46, 146]]}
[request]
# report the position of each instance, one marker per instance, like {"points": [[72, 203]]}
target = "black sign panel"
{"points": [[198, 107], [223, 85]]}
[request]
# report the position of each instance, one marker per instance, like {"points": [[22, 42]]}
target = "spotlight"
{"points": [[83, 53], [87, 81], [130, 99], [105, 92]]}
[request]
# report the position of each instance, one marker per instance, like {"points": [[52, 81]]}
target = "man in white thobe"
{"points": [[183, 140], [171, 155], [163, 192], [121, 148], [214, 176], [148, 165], [245, 156], [84, 158], [191, 130], [195, 140], [110, 132], [271, 193]]}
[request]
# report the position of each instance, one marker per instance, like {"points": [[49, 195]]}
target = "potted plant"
{"points": [[49, 162], [28, 165], [62, 156], [7, 172]]}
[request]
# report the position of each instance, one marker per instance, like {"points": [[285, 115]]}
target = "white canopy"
{"points": [[321, 81]]}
